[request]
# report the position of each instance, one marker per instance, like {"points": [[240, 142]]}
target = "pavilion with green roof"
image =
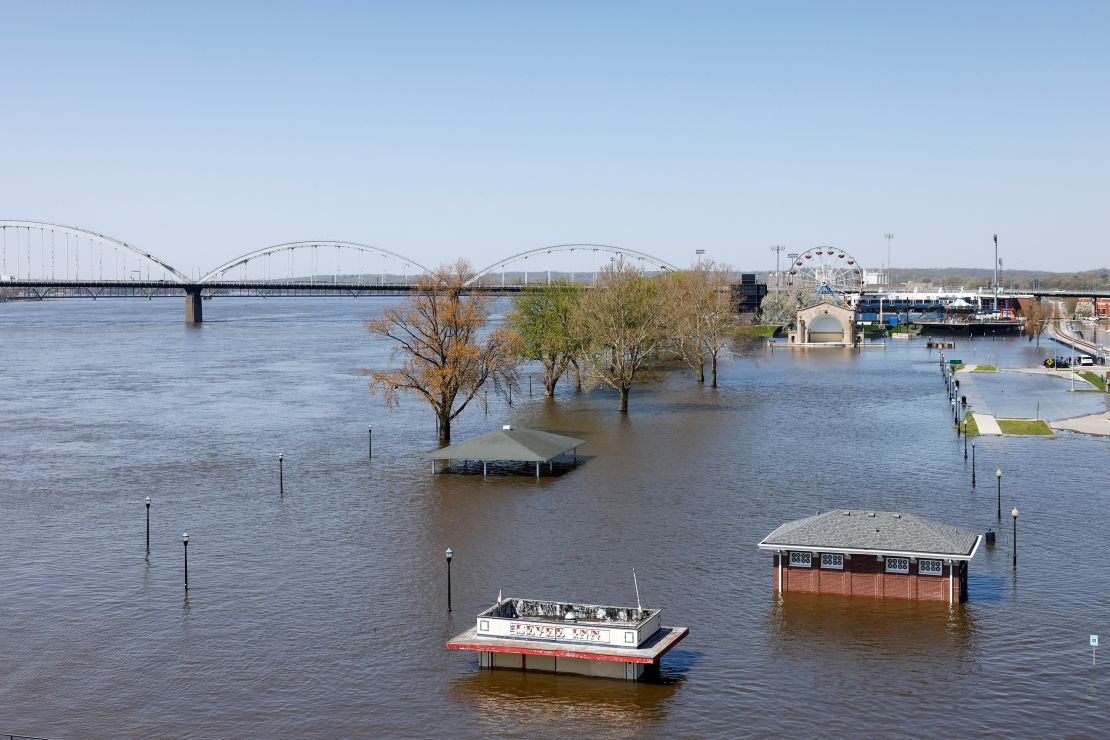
{"points": [[510, 445]]}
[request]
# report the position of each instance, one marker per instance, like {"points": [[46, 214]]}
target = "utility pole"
{"points": [[889, 236], [778, 249]]}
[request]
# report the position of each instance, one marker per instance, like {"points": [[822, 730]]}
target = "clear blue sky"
{"points": [[201, 131]]}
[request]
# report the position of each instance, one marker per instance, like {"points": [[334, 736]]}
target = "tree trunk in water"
{"points": [[701, 372], [549, 385], [713, 365], [445, 428], [624, 400]]}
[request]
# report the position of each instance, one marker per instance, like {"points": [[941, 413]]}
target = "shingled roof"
{"points": [[873, 531], [508, 444]]}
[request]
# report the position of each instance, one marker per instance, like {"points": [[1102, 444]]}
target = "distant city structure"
{"points": [[747, 295]]}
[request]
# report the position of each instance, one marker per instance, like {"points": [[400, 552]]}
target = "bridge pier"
{"points": [[194, 308]]}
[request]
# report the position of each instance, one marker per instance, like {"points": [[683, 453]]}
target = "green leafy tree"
{"points": [[543, 318], [621, 325]]}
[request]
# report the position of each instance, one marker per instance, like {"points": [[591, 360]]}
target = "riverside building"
{"points": [[881, 554], [563, 637]]}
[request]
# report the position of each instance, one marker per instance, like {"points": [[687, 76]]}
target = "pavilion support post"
{"points": [[537, 470], [483, 468]]}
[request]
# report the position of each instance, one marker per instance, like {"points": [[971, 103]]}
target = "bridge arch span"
{"points": [[290, 247], [93, 236], [621, 251]]}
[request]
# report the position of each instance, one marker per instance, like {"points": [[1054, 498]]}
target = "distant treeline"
{"points": [[975, 278]]}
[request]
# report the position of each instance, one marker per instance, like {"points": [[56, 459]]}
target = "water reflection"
{"points": [[522, 703], [897, 630]]}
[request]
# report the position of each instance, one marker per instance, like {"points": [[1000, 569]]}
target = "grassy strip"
{"points": [[1093, 379], [1024, 426], [972, 427], [761, 330], [985, 369]]}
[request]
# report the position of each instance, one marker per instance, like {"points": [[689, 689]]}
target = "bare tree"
{"points": [[621, 326], [701, 322], [780, 306], [1038, 318], [447, 354]]}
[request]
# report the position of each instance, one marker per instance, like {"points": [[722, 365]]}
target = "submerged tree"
{"points": [[701, 322], [621, 324], [1038, 318], [542, 318], [447, 353]]}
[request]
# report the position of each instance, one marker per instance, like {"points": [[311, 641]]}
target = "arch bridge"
{"points": [[42, 260]]}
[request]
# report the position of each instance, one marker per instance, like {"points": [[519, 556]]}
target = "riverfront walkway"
{"points": [[1094, 424]]}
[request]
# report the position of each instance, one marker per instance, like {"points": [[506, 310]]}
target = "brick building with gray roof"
{"points": [[881, 554]]}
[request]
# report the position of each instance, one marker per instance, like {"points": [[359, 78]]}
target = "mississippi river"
{"points": [[323, 613]]}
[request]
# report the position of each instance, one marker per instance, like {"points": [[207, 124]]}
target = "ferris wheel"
{"points": [[827, 270]]}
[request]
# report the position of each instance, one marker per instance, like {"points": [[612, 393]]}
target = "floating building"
{"points": [[562, 637], [881, 554]]}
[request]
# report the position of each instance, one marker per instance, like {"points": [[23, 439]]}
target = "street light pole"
{"points": [[973, 466], [148, 525], [965, 437], [1014, 514], [448, 553], [281, 474], [185, 541], [998, 475]]}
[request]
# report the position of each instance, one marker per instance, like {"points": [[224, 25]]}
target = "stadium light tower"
{"points": [[778, 249], [889, 236]]}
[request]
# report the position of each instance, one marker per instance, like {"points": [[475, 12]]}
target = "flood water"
{"points": [[323, 614]]}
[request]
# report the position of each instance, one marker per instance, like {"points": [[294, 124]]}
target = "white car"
{"points": [[1085, 360]]}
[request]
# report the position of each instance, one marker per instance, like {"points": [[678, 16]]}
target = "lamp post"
{"points": [[148, 525], [281, 474], [973, 465], [965, 437], [1014, 514], [448, 553], [185, 541], [998, 475]]}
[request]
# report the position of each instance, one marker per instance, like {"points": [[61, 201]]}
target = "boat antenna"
{"points": [[637, 585]]}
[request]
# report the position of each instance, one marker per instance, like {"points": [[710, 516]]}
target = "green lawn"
{"points": [[985, 369], [1024, 426], [1093, 379], [762, 330], [972, 427]]}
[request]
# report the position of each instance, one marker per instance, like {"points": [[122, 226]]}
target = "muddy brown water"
{"points": [[322, 614]]}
